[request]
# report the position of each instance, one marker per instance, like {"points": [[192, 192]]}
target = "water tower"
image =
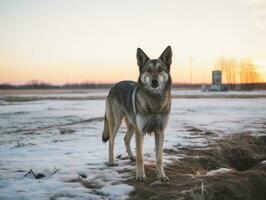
{"points": [[217, 81]]}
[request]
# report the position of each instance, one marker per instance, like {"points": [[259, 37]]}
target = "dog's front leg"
{"points": [[140, 172], [159, 138]]}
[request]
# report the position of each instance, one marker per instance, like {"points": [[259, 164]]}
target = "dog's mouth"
{"points": [[155, 87]]}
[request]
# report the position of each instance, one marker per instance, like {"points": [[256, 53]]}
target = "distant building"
{"points": [[217, 77], [217, 81]]}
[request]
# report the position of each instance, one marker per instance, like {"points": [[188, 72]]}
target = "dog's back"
{"points": [[119, 104], [123, 92]]}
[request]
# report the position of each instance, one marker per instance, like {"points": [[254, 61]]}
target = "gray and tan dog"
{"points": [[145, 106]]}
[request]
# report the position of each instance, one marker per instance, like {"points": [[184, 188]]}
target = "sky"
{"points": [[60, 41]]}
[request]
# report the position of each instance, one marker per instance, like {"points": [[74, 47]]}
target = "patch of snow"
{"points": [[263, 162], [218, 171], [117, 191]]}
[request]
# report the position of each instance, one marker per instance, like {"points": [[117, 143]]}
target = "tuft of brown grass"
{"points": [[188, 180]]}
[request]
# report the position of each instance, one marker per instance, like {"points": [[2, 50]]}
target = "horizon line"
{"points": [[111, 83]]}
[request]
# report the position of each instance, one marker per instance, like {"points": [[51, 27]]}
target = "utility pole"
{"points": [[190, 59]]}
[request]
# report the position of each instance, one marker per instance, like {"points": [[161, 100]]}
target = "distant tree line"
{"points": [[35, 84], [240, 75], [43, 85]]}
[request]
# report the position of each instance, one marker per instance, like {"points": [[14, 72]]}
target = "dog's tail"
{"points": [[106, 132]]}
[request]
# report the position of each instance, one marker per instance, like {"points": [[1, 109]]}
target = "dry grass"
{"points": [[188, 180]]}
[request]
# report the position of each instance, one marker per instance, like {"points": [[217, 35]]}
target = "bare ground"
{"points": [[244, 179], [22, 95]]}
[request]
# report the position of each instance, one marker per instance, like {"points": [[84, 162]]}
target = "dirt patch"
{"points": [[20, 144], [197, 131], [248, 185], [236, 172], [194, 129], [85, 183], [64, 131]]}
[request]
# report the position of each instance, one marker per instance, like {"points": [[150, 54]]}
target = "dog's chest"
{"points": [[147, 105], [152, 114], [151, 123]]}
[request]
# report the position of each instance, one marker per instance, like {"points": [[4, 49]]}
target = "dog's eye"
{"points": [[149, 70], [160, 70]]}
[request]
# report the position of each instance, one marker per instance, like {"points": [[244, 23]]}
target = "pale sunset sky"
{"points": [[61, 41]]}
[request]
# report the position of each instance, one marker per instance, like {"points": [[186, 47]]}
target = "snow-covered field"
{"points": [[62, 140]]}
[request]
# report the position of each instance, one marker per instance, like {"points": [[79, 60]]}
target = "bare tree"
{"points": [[248, 74], [229, 68], [244, 72]]}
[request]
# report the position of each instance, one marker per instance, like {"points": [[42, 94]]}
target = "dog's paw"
{"points": [[133, 158], [141, 178], [162, 178], [112, 164]]}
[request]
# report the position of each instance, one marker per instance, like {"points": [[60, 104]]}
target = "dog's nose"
{"points": [[154, 83]]}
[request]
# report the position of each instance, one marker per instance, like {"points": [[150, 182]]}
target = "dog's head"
{"points": [[154, 73]]}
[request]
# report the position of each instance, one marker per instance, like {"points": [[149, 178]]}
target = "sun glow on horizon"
{"points": [[77, 41]]}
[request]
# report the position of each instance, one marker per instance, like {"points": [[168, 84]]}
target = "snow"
{"points": [[263, 162], [218, 171], [117, 191], [31, 138]]}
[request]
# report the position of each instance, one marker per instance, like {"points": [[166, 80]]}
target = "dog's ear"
{"points": [[166, 56], [142, 58]]}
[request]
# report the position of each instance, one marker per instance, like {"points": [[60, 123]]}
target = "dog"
{"points": [[145, 105]]}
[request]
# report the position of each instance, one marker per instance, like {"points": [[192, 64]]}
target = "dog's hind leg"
{"points": [[116, 116], [127, 138]]}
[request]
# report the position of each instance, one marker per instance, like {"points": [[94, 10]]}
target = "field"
{"points": [[57, 135]]}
